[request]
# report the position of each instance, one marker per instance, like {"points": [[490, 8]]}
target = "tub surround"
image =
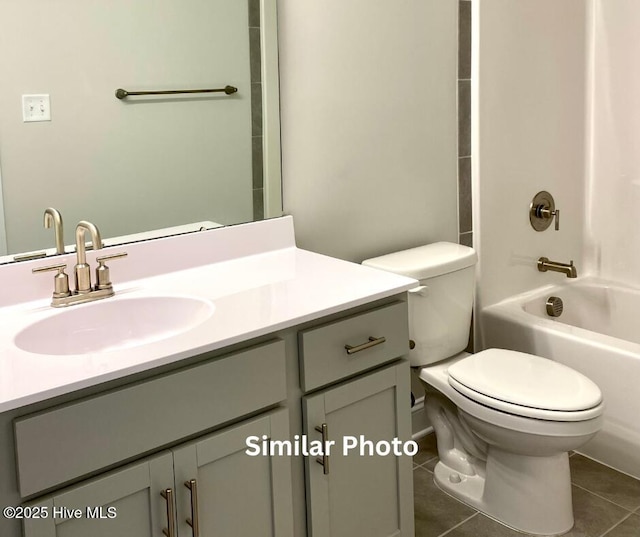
{"points": [[528, 104], [253, 275]]}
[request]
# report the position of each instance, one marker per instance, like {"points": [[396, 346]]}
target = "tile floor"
{"points": [[605, 502]]}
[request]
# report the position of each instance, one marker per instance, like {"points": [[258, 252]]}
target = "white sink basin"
{"points": [[113, 324]]}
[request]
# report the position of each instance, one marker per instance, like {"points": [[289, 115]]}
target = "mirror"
{"points": [[145, 165]]}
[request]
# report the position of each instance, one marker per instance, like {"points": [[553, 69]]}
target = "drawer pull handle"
{"points": [[373, 341], [324, 460], [167, 494], [192, 485]]}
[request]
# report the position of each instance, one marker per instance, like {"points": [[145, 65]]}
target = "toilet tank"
{"points": [[440, 307]]}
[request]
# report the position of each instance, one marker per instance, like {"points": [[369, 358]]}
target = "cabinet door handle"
{"points": [[167, 494], [324, 460], [192, 485], [373, 341]]}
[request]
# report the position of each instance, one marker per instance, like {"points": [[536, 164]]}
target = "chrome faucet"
{"points": [[84, 291], [568, 269], [53, 216]]}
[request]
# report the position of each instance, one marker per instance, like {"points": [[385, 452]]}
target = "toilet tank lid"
{"points": [[426, 261]]}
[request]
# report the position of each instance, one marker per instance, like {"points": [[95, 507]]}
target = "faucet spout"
{"points": [[96, 240], [82, 269], [53, 216], [569, 269]]}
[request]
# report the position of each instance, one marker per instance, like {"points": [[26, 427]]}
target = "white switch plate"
{"points": [[36, 108]]}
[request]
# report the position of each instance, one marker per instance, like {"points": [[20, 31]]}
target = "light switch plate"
{"points": [[36, 108]]}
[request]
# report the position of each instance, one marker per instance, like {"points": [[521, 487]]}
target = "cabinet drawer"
{"points": [[62, 444], [323, 353]]}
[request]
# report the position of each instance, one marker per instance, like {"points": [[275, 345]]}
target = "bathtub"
{"points": [[598, 334]]}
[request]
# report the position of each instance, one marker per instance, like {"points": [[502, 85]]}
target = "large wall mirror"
{"points": [[143, 163]]}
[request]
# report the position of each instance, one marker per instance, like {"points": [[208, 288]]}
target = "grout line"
{"points": [[422, 468], [607, 466], [627, 509], [616, 525], [458, 524], [427, 462]]}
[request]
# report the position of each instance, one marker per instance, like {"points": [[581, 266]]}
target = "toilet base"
{"points": [[528, 494]]}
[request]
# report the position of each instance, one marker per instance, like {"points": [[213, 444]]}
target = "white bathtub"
{"points": [[598, 334]]}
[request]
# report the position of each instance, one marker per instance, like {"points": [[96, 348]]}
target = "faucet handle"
{"points": [[104, 258], [60, 280], [102, 270], [542, 211]]}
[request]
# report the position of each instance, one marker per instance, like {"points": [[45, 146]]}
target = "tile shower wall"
{"points": [[465, 227]]}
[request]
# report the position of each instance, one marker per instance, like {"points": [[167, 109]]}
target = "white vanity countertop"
{"points": [[271, 286]]}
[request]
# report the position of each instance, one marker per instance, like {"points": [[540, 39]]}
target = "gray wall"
{"points": [[369, 123]]}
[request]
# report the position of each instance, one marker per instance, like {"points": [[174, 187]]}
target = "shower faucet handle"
{"points": [[542, 211], [546, 213]]}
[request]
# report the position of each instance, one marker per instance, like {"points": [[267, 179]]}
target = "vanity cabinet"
{"points": [[344, 375], [354, 492], [237, 494], [102, 431], [228, 493], [134, 493], [357, 487]]}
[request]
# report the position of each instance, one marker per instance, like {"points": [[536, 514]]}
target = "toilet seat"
{"points": [[526, 385]]}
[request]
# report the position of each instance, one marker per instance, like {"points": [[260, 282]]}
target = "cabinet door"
{"points": [[237, 495], [133, 494], [361, 494]]}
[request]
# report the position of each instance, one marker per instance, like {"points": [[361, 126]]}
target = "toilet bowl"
{"points": [[504, 420], [510, 459]]}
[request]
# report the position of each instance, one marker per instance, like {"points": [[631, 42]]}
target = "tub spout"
{"points": [[568, 269]]}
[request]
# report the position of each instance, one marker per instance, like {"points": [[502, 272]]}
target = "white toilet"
{"points": [[504, 420]]}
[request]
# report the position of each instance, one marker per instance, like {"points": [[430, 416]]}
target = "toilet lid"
{"points": [[521, 383]]}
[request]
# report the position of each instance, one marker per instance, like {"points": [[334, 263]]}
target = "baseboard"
{"points": [[420, 425]]}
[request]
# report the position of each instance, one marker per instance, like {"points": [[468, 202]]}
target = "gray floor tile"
{"points": [[431, 464], [602, 501], [605, 482], [593, 515], [629, 528], [435, 512], [428, 449], [483, 526]]}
